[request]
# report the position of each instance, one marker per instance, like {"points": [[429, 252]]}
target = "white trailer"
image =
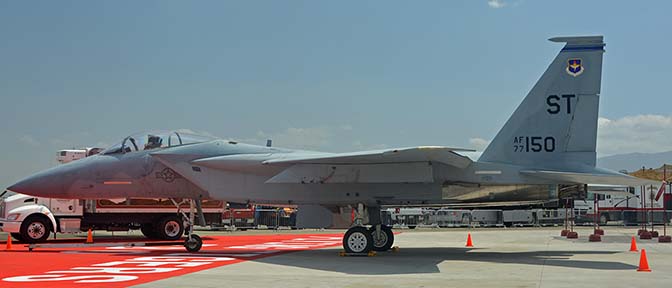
{"points": [[623, 204], [446, 217], [487, 218], [407, 217], [519, 218]]}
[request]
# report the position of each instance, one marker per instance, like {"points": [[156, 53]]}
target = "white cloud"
{"points": [[346, 127], [337, 138], [496, 4], [479, 143], [311, 138], [358, 146], [194, 132], [101, 144], [640, 133], [57, 142], [29, 140]]}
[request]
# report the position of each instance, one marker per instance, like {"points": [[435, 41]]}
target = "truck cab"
{"points": [[32, 219]]}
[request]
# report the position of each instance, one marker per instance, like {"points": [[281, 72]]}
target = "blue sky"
{"points": [[326, 75]]}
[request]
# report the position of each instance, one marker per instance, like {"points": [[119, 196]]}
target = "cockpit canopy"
{"points": [[155, 140]]}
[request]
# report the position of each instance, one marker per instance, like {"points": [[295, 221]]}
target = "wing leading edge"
{"points": [[441, 154]]}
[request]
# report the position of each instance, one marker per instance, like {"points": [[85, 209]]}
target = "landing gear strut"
{"points": [[359, 239], [193, 243]]}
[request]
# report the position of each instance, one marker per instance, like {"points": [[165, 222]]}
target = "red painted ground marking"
{"points": [[126, 266]]}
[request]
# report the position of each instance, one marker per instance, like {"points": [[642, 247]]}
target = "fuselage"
{"points": [[175, 172]]}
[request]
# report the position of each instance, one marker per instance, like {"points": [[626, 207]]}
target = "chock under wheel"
{"points": [[368, 254]]}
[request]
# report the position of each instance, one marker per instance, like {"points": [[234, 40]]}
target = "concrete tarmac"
{"points": [[519, 257]]}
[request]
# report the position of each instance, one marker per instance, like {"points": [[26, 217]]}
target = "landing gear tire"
{"points": [[358, 240], [35, 229], [604, 219], [194, 243], [17, 236], [149, 231], [170, 228], [386, 240]]}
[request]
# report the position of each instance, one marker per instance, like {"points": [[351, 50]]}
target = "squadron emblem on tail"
{"points": [[574, 67]]}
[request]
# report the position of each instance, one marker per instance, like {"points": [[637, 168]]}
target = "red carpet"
{"points": [[127, 266]]}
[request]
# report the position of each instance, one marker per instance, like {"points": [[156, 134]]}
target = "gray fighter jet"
{"points": [[545, 148]]}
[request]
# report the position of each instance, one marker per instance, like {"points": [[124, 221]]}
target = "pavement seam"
{"points": [[543, 265]]}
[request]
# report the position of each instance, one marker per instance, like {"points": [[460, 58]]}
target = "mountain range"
{"points": [[634, 161]]}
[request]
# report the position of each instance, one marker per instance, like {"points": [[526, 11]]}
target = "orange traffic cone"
{"points": [[643, 262], [89, 237], [633, 245], [469, 243], [9, 242]]}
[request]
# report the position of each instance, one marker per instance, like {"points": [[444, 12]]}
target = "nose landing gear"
{"points": [[193, 243]]}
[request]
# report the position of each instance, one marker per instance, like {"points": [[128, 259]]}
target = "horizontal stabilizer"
{"points": [[440, 154], [600, 176]]}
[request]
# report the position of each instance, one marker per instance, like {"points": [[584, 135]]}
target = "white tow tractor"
{"points": [[33, 219]]}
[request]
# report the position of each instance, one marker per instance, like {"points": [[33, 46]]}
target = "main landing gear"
{"points": [[361, 240], [193, 243]]}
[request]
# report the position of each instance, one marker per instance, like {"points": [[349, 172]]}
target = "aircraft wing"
{"points": [[398, 165], [598, 176], [441, 154], [401, 165]]}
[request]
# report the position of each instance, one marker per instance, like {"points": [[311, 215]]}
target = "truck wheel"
{"points": [[170, 228], [17, 236], [148, 230], [35, 229]]}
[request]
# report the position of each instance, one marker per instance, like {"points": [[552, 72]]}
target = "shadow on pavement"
{"points": [[425, 260]]}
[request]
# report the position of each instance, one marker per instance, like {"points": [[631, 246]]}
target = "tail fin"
{"points": [[556, 124]]}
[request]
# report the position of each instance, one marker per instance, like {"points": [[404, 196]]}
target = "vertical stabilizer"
{"points": [[556, 124]]}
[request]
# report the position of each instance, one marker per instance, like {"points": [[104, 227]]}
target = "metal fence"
{"points": [[284, 218], [274, 219]]}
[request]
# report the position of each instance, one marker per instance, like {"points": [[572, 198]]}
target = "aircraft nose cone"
{"points": [[45, 184]]}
